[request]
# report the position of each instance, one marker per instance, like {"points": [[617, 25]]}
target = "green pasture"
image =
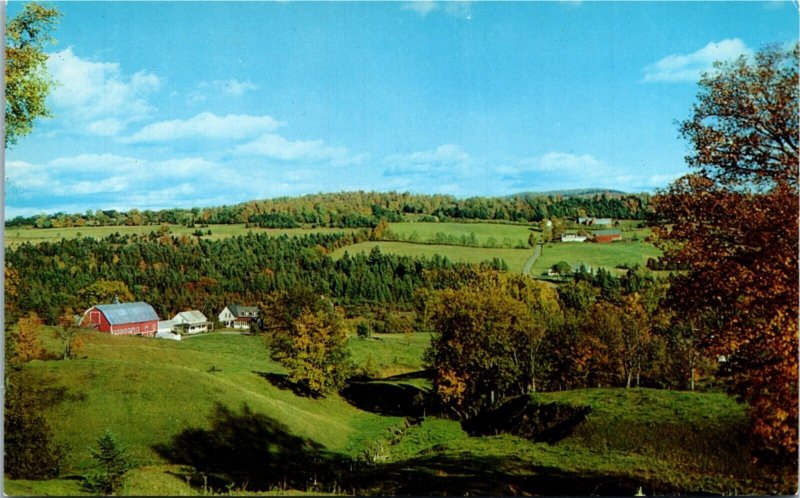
{"points": [[595, 255], [515, 258], [503, 235], [16, 236], [392, 354], [148, 390]]}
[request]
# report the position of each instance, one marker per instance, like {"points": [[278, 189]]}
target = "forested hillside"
{"points": [[175, 273], [364, 209]]}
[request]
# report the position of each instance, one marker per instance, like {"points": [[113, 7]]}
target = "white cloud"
{"points": [[233, 87], [565, 163], [92, 94], [421, 7], [459, 9], [105, 127], [681, 68], [443, 157], [277, 147], [206, 125]]}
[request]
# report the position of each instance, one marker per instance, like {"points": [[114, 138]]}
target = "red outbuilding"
{"points": [[607, 235], [122, 319]]}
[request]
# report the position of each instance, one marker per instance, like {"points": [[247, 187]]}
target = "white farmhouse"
{"points": [[571, 237], [191, 322], [238, 316]]}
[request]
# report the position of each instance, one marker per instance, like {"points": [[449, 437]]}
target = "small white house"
{"points": [[237, 316], [191, 322], [571, 237]]}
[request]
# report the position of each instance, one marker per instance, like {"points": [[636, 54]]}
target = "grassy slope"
{"points": [[147, 391], [515, 258], [665, 440], [393, 354]]}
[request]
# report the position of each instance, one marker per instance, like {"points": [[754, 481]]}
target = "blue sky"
{"points": [[183, 104]]}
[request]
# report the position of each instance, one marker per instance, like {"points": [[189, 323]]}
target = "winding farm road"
{"points": [[537, 251]]}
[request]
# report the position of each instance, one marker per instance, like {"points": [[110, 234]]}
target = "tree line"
{"points": [[361, 210]]}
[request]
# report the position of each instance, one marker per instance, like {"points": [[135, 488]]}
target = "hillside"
{"points": [[161, 395]]}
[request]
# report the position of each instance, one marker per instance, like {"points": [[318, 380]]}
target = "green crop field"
{"points": [[515, 258], [148, 391], [16, 236], [503, 235]]}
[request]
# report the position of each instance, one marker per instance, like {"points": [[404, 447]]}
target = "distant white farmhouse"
{"points": [[191, 322], [595, 221], [571, 237], [237, 316]]}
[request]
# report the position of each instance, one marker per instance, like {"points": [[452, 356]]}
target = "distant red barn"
{"points": [[604, 236], [122, 318]]}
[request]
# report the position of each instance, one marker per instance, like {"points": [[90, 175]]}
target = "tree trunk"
{"points": [[630, 375]]}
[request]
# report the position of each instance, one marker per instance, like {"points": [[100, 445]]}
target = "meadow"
{"points": [[514, 258], [496, 234], [607, 256], [150, 392]]}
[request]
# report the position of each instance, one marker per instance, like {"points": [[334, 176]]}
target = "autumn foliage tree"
{"points": [[27, 80], [734, 223], [307, 335], [28, 344], [488, 341]]}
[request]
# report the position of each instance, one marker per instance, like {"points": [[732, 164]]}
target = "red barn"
{"points": [[122, 318], [607, 235]]}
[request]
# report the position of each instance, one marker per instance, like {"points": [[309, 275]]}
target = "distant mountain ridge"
{"points": [[575, 192]]}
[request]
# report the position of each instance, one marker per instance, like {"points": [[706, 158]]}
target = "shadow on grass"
{"points": [[249, 450], [524, 417], [397, 395], [252, 451], [443, 475]]}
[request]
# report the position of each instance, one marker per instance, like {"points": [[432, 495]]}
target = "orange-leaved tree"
{"points": [[734, 222]]}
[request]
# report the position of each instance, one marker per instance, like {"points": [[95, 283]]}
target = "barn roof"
{"points": [[607, 232], [128, 312], [193, 316]]}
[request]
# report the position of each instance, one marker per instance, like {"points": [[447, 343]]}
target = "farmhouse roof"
{"points": [[193, 316], [128, 312], [239, 310]]}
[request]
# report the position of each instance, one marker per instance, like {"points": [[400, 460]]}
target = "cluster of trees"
{"points": [[361, 209], [499, 335]]}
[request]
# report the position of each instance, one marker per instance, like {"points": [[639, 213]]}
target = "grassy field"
{"points": [[148, 391], [17, 236], [393, 354], [607, 256], [506, 235], [515, 258]]}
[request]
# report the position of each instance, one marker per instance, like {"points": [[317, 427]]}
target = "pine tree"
{"points": [[112, 462]]}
